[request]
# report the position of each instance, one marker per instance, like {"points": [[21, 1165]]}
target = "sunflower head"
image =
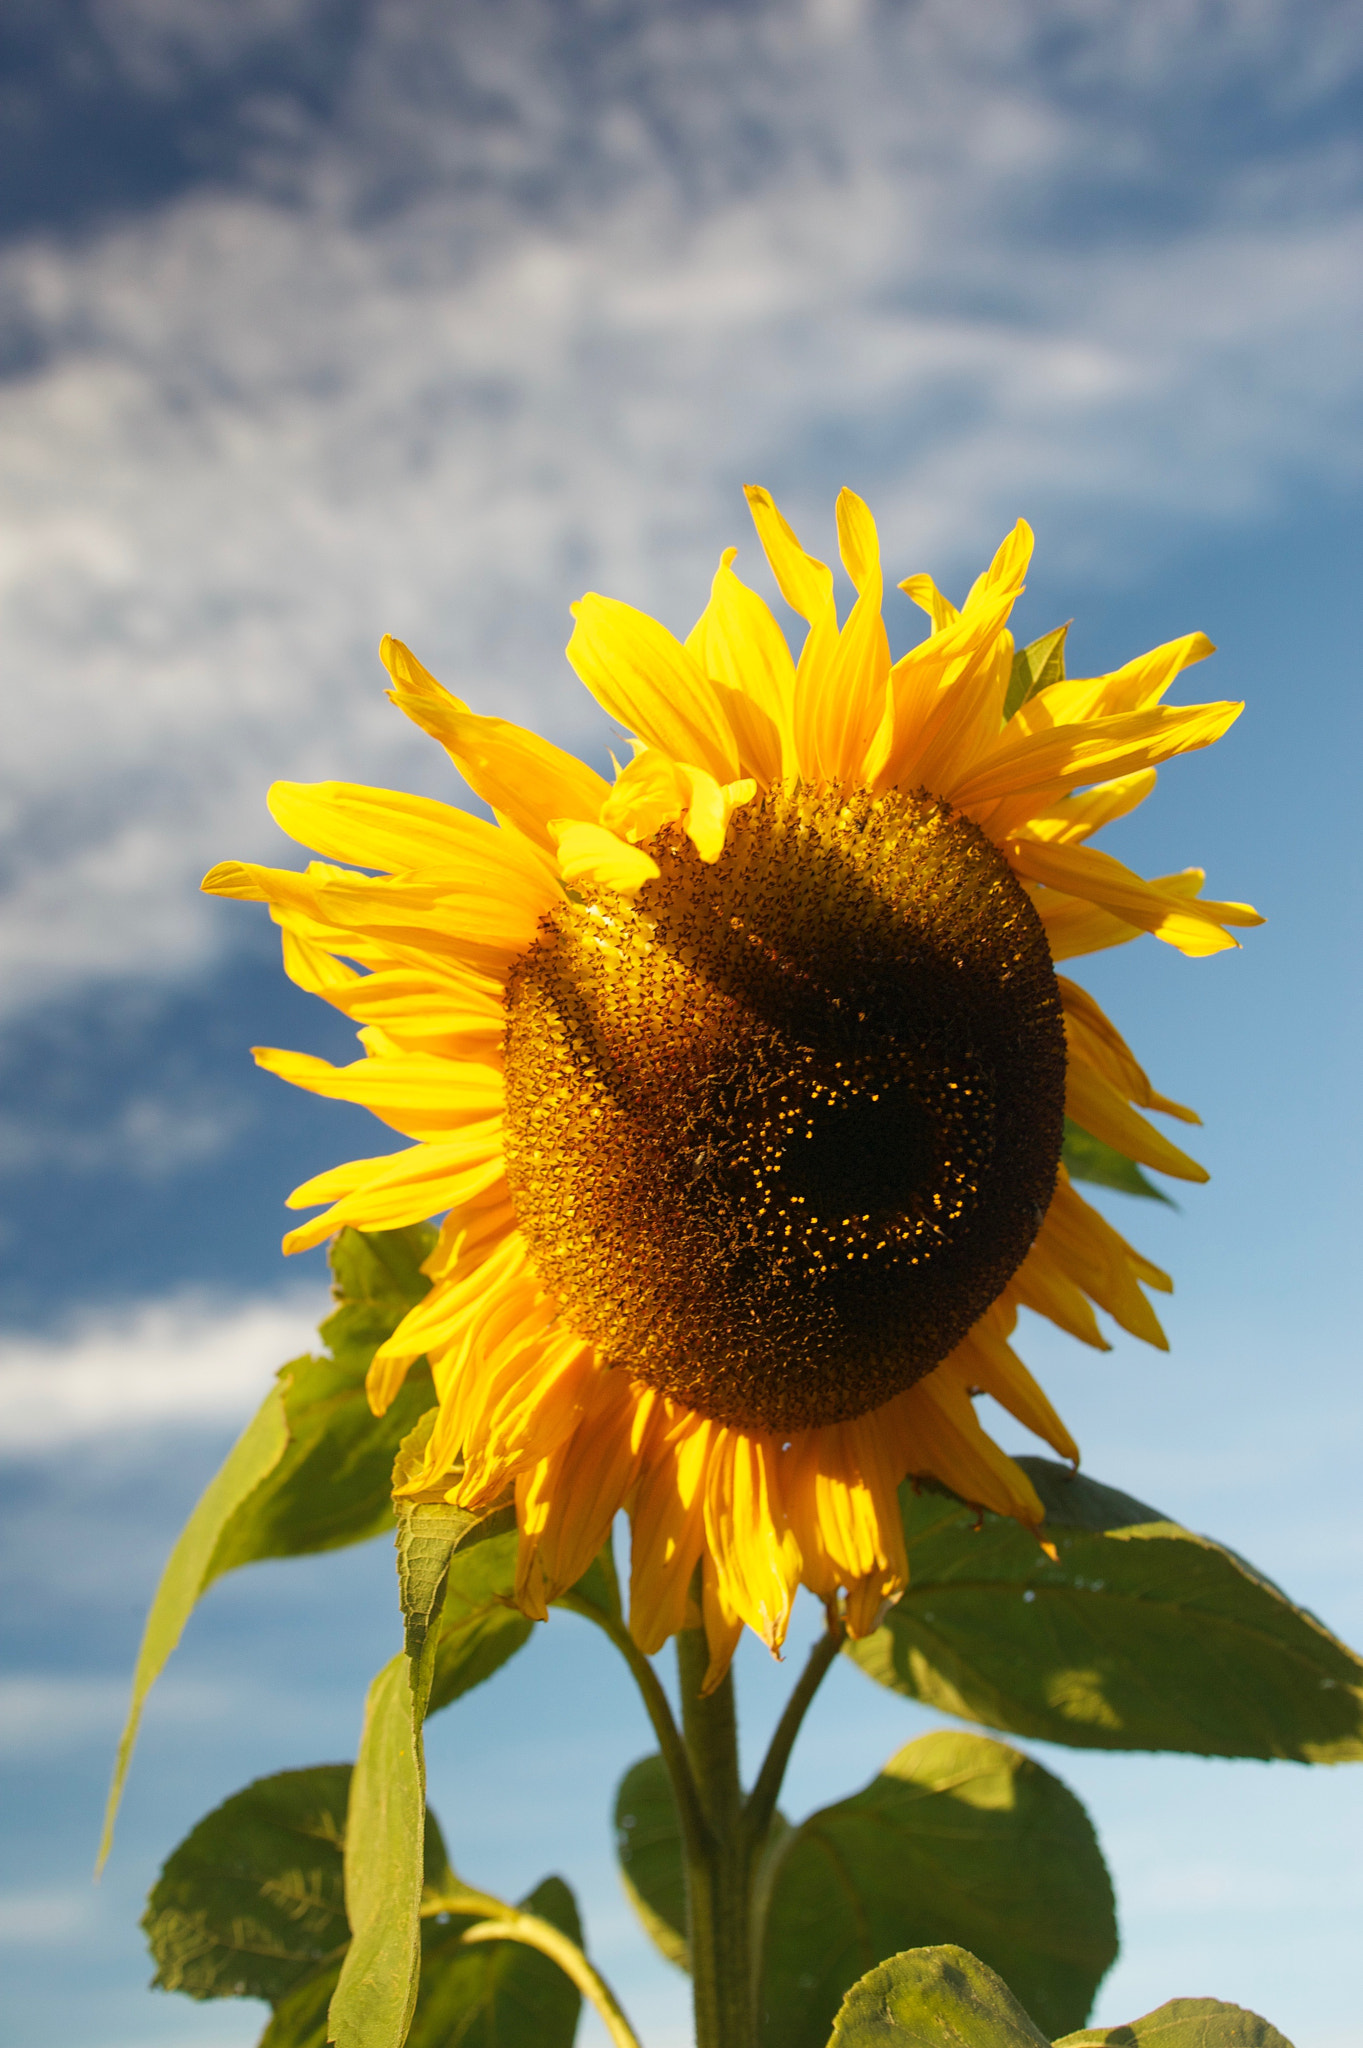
{"points": [[783, 1125], [740, 1083]]}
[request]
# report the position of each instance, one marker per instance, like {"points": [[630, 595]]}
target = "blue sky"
{"points": [[320, 321]]}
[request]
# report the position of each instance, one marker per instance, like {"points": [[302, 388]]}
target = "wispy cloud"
{"points": [[181, 1363], [520, 310]]}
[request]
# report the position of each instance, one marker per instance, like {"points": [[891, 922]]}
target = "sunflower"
{"points": [[741, 1081]]}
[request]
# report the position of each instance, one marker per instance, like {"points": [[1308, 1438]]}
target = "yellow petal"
{"points": [[748, 1535], [667, 1523], [1136, 687], [986, 1360], [722, 1621], [644, 677], [929, 599], [655, 791], [1100, 1260], [406, 1187], [1076, 818], [1193, 926], [1094, 1038], [1044, 1284], [944, 701], [590, 856], [523, 777], [566, 1505], [840, 702], [806, 584], [1008, 570], [938, 1434], [1074, 927], [743, 651], [1033, 770], [485, 923], [403, 834], [1104, 1113], [423, 1097]]}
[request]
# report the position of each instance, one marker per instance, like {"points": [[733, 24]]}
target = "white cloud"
{"points": [[512, 334], [178, 1363], [43, 1916], [41, 1714]]}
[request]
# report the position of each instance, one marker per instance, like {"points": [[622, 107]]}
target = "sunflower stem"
{"points": [[718, 1870]]}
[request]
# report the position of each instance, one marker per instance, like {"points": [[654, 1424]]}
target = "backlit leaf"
{"points": [[499, 1994], [333, 1484], [959, 1839], [1140, 1636], [253, 1899], [933, 1998], [376, 1992], [256, 1452], [1185, 2023], [1035, 668], [311, 1469], [649, 1845], [1088, 1158], [478, 1629]]}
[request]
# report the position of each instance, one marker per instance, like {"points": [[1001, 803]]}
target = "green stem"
{"points": [[541, 1934], [719, 1874]]}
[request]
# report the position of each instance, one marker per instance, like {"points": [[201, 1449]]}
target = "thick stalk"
{"points": [[719, 1869]]}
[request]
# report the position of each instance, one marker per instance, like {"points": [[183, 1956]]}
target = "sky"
{"points": [[320, 321]]}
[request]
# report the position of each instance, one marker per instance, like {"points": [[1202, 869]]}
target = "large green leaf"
{"points": [[497, 1995], [311, 1469], [253, 1900], [1185, 2023], [958, 1839], [256, 1452], [332, 1486], [1088, 1158], [478, 1629], [500, 1994], [376, 1993], [649, 1846], [933, 1998], [1140, 1636]]}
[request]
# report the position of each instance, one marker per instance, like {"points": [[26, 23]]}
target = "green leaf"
{"points": [[649, 1846], [1088, 1158], [252, 1900], [300, 2018], [310, 1470], [1185, 2023], [933, 1998], [376, 1993], [333, 1485], [499, 1994], [1035, 668], [478, 1630], [958, 1838], [496, 1995], [1141, 1636], [256, 1452]]}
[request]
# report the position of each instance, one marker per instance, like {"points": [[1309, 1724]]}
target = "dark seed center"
{"points": [[781, 1129]]}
